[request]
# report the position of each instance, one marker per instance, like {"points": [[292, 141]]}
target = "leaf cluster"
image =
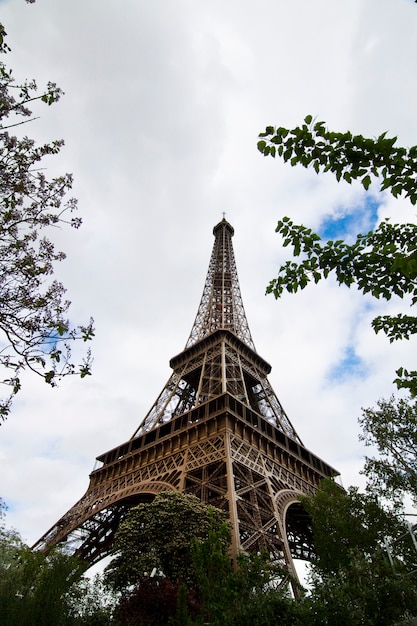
{"points": [[156, 538], [49, 590], [370, 594], [349, 157], [348, 523], [35, 331], [391, 429], [382, 263], [353, 580], [253, 592], [220, 592]]}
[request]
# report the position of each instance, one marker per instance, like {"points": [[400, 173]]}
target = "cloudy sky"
{"points": [[164, 101]]}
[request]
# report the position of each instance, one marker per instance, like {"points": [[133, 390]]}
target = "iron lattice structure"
{"points": [[221, 304], [217, 430]]}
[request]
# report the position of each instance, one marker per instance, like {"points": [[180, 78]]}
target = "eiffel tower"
{"points": [[217, 430]]}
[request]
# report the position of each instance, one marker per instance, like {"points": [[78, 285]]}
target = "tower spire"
{"points": [[221, 305]]}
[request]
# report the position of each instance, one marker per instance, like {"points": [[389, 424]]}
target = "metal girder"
{"points": [[220, 363], [225, 461]]}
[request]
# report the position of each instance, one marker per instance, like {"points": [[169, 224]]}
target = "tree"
{"points": [[156, 601], [353, 580], [156, 538], [51, 591], [172, 566], [46, 590], [382, 262], [347, 523], [153, 569], [36, 334], [35, 590], [392, 429], [365, 593], [248, 594]]}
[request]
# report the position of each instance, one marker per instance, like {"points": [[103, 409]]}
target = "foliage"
{"points": [[156, 601], [382, 262], [353, 581], [10, 544], [221, 594], [366, 593], [392, 429], [90, 602], [35, 582], [250, 593], [214, 577], [348, 157], [156, 537], [36, 334], [46, 590], [347, 523], [189, 543]]}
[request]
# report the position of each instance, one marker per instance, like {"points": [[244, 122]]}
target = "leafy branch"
{"points": [[35, 332], [382, 262], [349, 157]]}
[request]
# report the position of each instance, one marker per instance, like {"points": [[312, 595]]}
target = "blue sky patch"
{"points": [[348, 222], [350, 366]]}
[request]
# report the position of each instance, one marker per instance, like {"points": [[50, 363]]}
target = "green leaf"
{"points": [[366, 181], [49, 377]]}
